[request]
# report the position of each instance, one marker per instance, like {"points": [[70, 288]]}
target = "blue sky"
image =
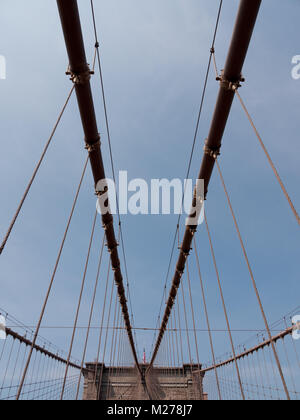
{"points": [[154, 60]]}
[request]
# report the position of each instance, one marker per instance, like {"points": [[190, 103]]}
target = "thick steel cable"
{"points": [[4, 242], [52, 281], [284, 190], [91, 315], [253, 282], [224, 306], [207, 318], [212, 50], [80, 300]]}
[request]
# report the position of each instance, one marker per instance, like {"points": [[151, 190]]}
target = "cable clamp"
{"points": [[94, 146], [230, 85], [214, 153], [80, 78], [186, 253]]}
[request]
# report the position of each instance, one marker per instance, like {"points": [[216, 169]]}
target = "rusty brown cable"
{"points": [[110, 149], [187, 330], [106, 335], [79, 302], [195, 136], [102, 322], [14, 371], [224, 306], [291, 374], [254, 282], [207, 318], [177, 341], [111, 346], [193, 313], [52, 280], [172, 341], [16, 215], [294, 345], [91, 315], [285, 192], [180, 335]]}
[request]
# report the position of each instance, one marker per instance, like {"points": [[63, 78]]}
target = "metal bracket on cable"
{"points": [[214, 153], [229, 85], [93, 147], [80, 78], [186, 253]]}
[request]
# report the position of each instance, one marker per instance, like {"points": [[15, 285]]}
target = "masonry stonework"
{"points": [[112, 383]]}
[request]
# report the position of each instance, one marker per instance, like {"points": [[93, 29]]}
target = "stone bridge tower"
{"points": [[113, 383]]}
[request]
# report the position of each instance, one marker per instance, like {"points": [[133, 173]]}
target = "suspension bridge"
{"points": [[265, 367]]}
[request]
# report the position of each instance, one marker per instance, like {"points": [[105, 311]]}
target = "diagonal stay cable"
{"points": [[97, 45], [254, 284], [207, 319], [79, 302], [16, 215], [91, 315], [212, 51], [51, 281], [224, 307], [284, 190]]}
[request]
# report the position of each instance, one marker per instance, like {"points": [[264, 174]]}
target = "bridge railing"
{"points": [[47, 370], [260, 380]]}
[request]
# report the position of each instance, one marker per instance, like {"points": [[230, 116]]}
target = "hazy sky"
{"points": [[154, 57]]}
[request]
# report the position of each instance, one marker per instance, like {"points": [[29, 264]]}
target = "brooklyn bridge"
{"points": [[208, 341]]}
